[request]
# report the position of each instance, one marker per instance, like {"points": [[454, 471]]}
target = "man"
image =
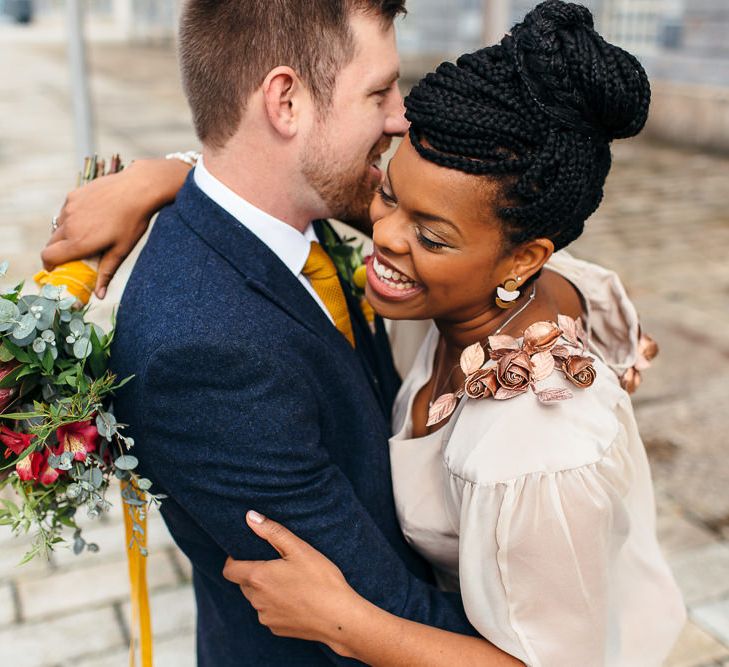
{"points": [[253, 388]]}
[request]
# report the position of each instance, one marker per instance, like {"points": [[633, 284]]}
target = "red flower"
{"points": [[47, 474], [30, 467], [79, 438], [16, 443]]}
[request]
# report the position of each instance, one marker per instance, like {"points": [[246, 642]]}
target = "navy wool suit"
{"points": [[246, 397]]}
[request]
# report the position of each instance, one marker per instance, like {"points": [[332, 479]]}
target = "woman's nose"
{"points": [[388, 235]]}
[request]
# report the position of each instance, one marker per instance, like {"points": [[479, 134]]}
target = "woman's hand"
{"points": [[302, 595], [109, 215]]}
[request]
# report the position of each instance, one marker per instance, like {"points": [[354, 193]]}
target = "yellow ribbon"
{"points": [[78, 277], [140, 631]]}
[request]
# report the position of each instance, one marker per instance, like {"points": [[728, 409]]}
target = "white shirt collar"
{"points": [[291, 246]]}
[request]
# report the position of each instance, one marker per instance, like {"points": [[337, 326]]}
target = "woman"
{"points": [[517, 466], [538, 505]]}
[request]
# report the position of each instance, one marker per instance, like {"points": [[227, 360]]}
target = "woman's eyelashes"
{"points": [[386, 197], [428, 243], [425, 241]]}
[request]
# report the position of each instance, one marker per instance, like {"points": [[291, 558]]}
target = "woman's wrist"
{"points": [[160, 179], [347, 627]]}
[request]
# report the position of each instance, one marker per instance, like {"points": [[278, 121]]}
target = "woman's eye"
{"points": [[385, 196], [428, 243]]}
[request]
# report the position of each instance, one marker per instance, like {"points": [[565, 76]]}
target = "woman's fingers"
{"points": [[60, 252], [278, 536], [240, 571]]}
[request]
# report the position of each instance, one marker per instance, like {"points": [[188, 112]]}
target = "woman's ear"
{"points": [[283, 96], [530, 257]]}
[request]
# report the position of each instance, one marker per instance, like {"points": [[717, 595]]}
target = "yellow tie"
{"points": [[322, 274]]}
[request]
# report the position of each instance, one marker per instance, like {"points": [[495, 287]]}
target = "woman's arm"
{"points": [[108, 216], [304, 595]]}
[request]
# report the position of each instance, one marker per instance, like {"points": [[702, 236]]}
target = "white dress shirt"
{"points": [[288, 244]]}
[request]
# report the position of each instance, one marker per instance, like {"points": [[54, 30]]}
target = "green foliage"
{"points": [[56, 365], [346, 256]]}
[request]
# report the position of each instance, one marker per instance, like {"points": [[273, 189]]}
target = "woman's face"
{"points": [[438, 245]]}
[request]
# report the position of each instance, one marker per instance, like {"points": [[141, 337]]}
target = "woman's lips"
{"points": [[388, 283]]}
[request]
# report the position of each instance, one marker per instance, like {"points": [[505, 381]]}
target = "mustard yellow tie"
{"points": [[322, 274]]}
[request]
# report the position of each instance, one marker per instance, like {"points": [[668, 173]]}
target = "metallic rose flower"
{"points": [[514, 373], [79, 438], [647, 347], [482, 383], [541, 337], [8, 394], [630, 380], [16, 443], [579, 370]]}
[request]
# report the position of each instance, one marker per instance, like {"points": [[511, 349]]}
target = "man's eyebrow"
{"points": [[386, 84]]}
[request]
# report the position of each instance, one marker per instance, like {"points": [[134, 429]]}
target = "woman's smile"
{"points": [[388, 282]]}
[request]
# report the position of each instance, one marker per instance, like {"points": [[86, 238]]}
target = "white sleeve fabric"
{"points": [[538, 557]]}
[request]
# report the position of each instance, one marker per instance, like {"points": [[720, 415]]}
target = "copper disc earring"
{"points": [[508, 293]]}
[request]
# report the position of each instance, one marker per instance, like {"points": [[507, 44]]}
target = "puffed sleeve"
{"points": [[537, 559]]}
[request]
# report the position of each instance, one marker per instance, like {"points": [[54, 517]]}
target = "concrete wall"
{"points": [[689, 115]]}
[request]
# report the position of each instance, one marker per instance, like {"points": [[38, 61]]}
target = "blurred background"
{"points": [[78, 77]]}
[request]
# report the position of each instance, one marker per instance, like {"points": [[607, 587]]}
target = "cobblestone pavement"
{"points": [[664, 227]]}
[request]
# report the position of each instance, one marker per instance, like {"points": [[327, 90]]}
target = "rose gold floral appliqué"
{"points": [[520, 365]]}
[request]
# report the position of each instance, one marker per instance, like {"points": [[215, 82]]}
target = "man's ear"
{"points": [[283, 95], [529, 257]]}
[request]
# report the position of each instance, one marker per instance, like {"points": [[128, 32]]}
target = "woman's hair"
{"points": [[538, 111]]}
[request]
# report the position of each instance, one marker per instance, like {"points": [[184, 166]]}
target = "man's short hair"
{"points": [[227, 47]]}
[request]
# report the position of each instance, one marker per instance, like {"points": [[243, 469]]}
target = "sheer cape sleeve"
{"points": [[555, 512]]}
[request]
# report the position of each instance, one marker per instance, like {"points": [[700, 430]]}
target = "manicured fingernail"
{"points": [[255, 517], [101, 292]]}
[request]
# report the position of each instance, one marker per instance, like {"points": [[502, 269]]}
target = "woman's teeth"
{"points": [[391, 277]]}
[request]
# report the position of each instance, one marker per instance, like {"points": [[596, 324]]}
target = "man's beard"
{"points": [[346, 191]]}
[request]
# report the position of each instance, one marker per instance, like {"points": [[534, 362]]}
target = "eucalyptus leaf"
{"points": [[96, 477], [126, 462], [24, 342], [39, 346], [51, 292], [67, 303], [76, 326], [48, 336], [4, 266], [106, 424], [9, 314], [82, 348], [78, 545], [144, 484], [66, 316], [45, 312], [24, 327]]}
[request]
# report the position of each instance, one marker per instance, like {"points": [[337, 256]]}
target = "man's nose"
{"points": [[396, 124]]}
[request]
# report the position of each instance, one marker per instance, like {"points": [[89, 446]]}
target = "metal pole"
{"points": [[496, 20], [82, 111]]}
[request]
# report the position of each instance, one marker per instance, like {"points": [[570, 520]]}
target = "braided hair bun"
{"points": [[538, 110]]}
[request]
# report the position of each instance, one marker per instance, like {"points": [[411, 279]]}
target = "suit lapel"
{"points": [[261, 268]]}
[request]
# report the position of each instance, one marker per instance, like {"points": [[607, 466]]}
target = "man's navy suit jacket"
{"points": [[246, 397]]}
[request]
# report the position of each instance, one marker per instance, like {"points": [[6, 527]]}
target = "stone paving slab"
{"points": [[64, 637], [714, 616], [696, 647]]}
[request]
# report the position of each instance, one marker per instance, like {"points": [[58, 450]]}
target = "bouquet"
{"points": [[60, 442]]}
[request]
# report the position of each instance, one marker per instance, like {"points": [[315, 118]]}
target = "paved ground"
{"points": [[664, 226]]}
